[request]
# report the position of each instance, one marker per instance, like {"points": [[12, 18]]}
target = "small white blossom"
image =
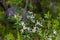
{"points": [[34, 27], [24, 27], [22, 30], [49, 38], [34, 14], [28, 29], [28, 16], [38, 23], [33, 21], [54, 32], [30, 12], [34, 30], [32, 17], [22, 23], [14, 16]]}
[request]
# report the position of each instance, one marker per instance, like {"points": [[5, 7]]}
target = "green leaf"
{"points": [[56, 24], [18, 36], [18, 2], [48, 16], [10, 36], [31, 7], [18, 26]]}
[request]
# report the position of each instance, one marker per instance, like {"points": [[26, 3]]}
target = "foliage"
{"points": [[40, 25]]}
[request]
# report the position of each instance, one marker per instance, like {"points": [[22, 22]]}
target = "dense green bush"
{"points": [[37, 27]]}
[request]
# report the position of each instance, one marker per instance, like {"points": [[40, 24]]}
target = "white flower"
{"points": [[34, 30], [24, 27], [22, 30], [49, 38], [38, 23], [54, 32], [14, 16], [33, 21], [32, 16], [22, 23], [30, 12], [28, 28], [28, 16], [34, 27]]}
